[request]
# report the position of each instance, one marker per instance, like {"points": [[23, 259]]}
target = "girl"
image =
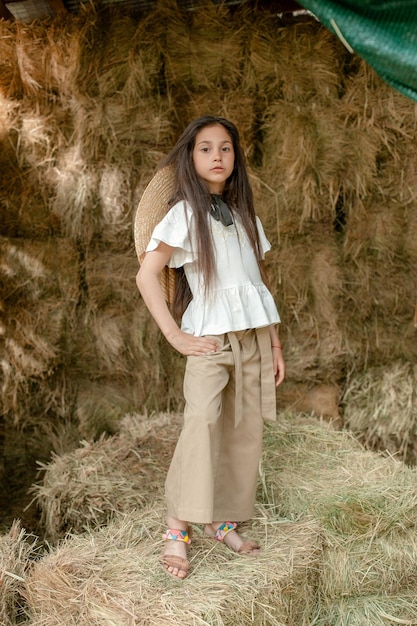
{"points": [[228, 333]]}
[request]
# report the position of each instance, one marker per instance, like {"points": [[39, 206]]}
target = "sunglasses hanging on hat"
{"points": [[220, 211]]}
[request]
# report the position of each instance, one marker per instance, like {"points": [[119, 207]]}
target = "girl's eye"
{"points": [[204, 149], [226, 149]]}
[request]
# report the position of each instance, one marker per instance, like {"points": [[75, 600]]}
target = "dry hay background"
{"points": [[337, 525], [88, 106]]}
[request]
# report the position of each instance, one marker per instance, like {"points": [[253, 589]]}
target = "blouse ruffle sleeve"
{"points": [[174, 230], [265, 245]]}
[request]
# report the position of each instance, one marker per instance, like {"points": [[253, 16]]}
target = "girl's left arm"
{"points": [[277, 356]]}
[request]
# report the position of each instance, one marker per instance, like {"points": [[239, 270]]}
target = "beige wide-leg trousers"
{"points": [[214, 470]]}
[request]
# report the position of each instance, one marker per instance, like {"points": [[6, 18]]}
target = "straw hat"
{"points": [[152, 207]]}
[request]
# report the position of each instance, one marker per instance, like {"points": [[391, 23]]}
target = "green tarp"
{"points": [[383, 32]]}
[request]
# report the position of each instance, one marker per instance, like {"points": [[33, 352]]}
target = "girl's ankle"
{"points": [[176, 524]]}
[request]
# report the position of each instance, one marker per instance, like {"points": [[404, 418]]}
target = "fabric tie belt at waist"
{"points": [[268, 398]]}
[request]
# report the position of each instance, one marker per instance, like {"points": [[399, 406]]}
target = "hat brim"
{"points": [[152, 208]]}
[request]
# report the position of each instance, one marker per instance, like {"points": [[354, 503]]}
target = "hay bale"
{"points": [[365, 567], [293, 61], [369, 97], [380, 610], [138, 126], [263, 69], [90, 60], [44, 130], [39, 302], [145, 58], [365, 504], [8, 115], [312, 61], [10, 83], [109, 353], [379, 278], [110, 279], [115, 48], [380, 125], [24, 206], [115, 194], [35, 270], [29, 44], [380, 408], [118, 358], [100, 403], [176, 44], [117, 344], [86, 487], [113, 575], [39, 287], [126, 352], [360, 504], [17, 551], [114, 375], [379, 294], [360, 146], [74, 198], [210, 34], [28, 146], [61, 53], [41, 423], [115, 129], [307, 169], [311, 468], [375, 226], [218, 39], [28, 141], [305, 279]]}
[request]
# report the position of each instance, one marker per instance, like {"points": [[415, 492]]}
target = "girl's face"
{"points": [[213, 157]]}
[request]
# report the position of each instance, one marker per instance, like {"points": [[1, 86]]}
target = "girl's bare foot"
{"points": [[174, 557], [226, 532]]}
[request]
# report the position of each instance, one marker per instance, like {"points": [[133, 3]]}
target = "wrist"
{"points": [[276, 346], [173, 333]]}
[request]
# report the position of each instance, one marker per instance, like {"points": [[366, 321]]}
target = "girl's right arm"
{"points": [[151, 291]]}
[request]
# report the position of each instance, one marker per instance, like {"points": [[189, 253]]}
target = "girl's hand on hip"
{"points": [[189, 345]]}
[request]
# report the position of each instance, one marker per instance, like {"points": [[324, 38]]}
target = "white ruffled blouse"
{"points": [[237, 299]]}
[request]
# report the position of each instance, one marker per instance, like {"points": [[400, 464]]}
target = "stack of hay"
{"points": [[337, 525], [76, 151], [379, 250], [39, 293], [112, 575], [18, 550], [380, 266], [380, 408], [86, 487], [366, 507], [88, 106], [104, 515], [297, 192]]}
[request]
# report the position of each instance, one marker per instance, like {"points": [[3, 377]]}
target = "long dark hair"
{"points": [[237, 194]]}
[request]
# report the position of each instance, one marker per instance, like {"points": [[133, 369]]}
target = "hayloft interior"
{"points": [[92, 96]]}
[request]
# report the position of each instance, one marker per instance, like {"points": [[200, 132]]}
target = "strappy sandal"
{"points": [[247, 547], [172, 560]]}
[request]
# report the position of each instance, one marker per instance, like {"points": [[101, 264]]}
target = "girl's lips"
{"points": [[217, 169]]}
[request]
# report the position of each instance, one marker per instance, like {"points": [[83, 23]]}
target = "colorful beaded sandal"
{"points": [[247, 547], [172, 560]]}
